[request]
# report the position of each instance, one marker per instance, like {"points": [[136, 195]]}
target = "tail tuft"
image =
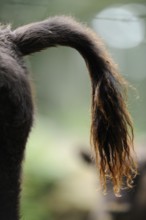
{"points": [[112, 132]]}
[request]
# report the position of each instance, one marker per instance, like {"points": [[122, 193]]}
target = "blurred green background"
{"points": [[57, 184]]}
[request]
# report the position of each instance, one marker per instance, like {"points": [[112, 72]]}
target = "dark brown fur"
{"points": [[111, 126]]}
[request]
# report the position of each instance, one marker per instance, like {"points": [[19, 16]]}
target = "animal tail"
{"points": [[111, 128]]}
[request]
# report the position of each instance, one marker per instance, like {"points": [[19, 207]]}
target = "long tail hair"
{"points": [[111, 126]]}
